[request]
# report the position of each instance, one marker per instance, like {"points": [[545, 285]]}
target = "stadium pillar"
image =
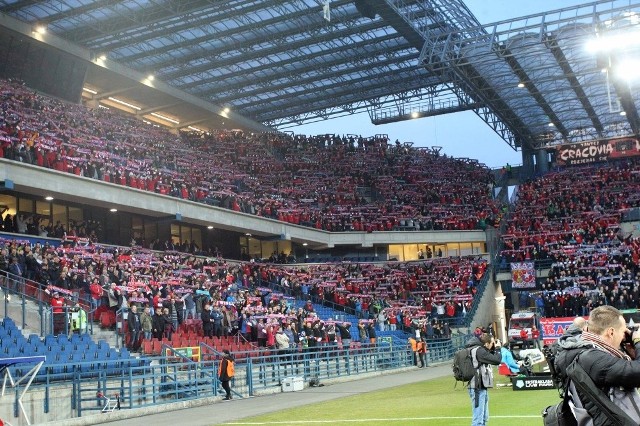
{"points": [[527, 162], [542, 161]]}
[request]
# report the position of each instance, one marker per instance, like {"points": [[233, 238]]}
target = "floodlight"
{"points": [[628, 70], [611, 42]]}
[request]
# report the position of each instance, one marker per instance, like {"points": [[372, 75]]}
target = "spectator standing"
{"points": [[217, 317], [189, 306], [535, 337], [345, 334], [372, 332], [282, 342], [158, 323], [362, 332], [226, 371], [59, 315], [413, 345], [146, 323], [207, 322], [17, 272], [135, 327], [524, 336], [78, 319], [422, 353], [382, 319]]}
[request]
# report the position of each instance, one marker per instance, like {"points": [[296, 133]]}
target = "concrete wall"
{"points": [[68, 187]]}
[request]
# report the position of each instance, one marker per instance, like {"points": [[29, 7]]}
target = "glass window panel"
{"points": [[395, 252], [196, 235], [25, 205], [175, 233], [466, 249], [60, 214], [185, 234]]}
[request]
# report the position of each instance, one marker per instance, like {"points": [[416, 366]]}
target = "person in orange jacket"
{"points": [[226, 371]]}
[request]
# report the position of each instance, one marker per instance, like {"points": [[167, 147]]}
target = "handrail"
{"points": [[29, 290]]}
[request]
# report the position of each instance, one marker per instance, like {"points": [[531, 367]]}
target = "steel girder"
{"points": [[280, 62], [561, 82]]}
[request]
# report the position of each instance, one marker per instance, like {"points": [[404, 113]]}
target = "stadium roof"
{"points": [[282, 63]]}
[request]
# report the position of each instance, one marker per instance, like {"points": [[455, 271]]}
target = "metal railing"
{"points": [[17, 291]]}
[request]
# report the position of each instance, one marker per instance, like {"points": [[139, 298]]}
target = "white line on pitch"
{"points": [[402, 419]]}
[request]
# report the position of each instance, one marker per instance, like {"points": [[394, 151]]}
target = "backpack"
{"points": [[463, 364]]}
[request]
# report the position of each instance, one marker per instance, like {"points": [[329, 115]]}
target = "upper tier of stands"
{"points": [[347, 183], [572, 206], [572, 218]]}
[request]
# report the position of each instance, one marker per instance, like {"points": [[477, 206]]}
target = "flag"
{"points": [[326, 10], [523, 275]]}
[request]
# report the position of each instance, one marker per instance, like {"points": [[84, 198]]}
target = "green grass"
{"points": [[432, 402]]}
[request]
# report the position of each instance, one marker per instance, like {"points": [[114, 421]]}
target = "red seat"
{"points": [[504, 370]]}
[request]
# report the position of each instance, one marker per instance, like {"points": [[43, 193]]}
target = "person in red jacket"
{"points": [[535, 336], [96, 292], [57, 306]]}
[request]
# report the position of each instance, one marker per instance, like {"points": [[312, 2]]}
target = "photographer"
{"points": [[598, 351], [485, 356]]}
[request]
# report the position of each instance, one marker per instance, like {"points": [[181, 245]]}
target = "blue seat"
{"points": [[102, 354]]}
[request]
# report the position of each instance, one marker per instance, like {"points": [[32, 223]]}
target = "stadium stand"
{"points": [[318, 182], [400, 293], [572, 219]]}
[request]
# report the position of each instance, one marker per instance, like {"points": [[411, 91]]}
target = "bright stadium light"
{"points": [[165, 118], [127, 104], [520, 85], [628, 70], [415, 114], [608, 43]]}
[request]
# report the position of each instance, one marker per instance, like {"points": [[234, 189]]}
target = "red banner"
{"points": [[596, 151]]}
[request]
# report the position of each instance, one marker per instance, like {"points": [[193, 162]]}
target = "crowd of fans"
{"points": [[573, 218], [571, 206], [249, 298], [330, 182]]}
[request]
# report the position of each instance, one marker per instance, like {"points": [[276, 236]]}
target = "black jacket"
{"points": [[605, 370]]}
